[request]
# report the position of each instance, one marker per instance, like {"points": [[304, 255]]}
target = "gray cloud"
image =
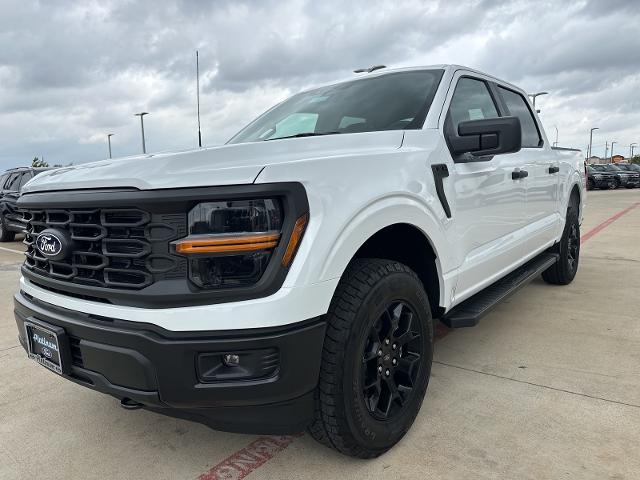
{"points": [[70, 72]]}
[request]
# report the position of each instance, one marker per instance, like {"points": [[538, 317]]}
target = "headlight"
{"points": [[230, 243], [597, 177]]}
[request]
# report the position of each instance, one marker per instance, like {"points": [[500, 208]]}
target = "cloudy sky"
{"points": [[71, 72]]}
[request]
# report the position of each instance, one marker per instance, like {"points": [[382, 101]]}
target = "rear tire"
{"points": [[5, 235], [565, 269], [376, 359]]}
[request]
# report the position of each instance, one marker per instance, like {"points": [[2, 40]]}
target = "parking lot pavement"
{"points": [[546, 387]]}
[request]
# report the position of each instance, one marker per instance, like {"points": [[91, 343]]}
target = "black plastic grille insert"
{"points": [[112, 247]]}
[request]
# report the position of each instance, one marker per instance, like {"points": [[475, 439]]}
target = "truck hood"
{"points": [[234, 164]]}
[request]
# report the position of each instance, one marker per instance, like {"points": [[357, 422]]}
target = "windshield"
{"points": [[612, 168], [395, 101]]}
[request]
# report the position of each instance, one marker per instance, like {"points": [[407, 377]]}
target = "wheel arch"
{"points": [[575, 188], [407, 244], [368, 231]]}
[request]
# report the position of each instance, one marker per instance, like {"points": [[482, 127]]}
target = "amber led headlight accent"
{"points": [[227, 243], [294, 242]]}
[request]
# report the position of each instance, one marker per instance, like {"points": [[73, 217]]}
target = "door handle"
{"points": [[518, 174], [553, 170]]}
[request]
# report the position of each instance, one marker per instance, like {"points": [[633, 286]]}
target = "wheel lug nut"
{"points": [[379, 353], [394, 361], [380, 368], [394, 346], [386, 341], [387, 372]]}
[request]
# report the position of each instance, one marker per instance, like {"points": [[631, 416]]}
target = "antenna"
{"points": [[370, 69], [198, 97]]}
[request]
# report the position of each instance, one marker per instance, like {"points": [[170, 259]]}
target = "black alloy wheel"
{"points": [[391, 360], [568, 249]]}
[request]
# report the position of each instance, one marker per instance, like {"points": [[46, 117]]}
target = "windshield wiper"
{"points": [[308, 134]]}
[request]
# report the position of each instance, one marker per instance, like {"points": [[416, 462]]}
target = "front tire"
{"points": [[376, 359], [565, 269], [5, 235]]}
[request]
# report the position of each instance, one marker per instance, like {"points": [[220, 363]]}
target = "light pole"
{"points": [[606, 150], [533, 97], [555, 144], [141, 115], [198, 97], [612, 144], [632, 146], [591, 139], [109, 135]]}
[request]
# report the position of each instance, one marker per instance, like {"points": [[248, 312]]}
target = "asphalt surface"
{"points": [[546, 387]]}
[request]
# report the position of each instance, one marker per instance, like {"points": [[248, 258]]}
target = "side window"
{"points": [[3, 180], [13, 184], [471, 101], [25, 178], [518, 107]]}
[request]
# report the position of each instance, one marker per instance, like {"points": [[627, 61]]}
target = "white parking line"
{"points": [[4, 249]]}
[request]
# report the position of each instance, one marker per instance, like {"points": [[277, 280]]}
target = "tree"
{"points": [[37, 163], [636, 159]]}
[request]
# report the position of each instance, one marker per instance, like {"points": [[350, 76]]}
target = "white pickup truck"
{"points": [[290, 278]]}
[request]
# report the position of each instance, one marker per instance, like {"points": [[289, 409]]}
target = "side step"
{"points": [[469, 312]]}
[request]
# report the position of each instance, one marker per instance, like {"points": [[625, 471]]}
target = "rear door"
{"points": [[488, 207], [542, 166]]}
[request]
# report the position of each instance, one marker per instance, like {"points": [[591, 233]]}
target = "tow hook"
{"points": [[129, 404]]}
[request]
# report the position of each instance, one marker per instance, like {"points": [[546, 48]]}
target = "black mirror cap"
{"points": [[489, 136]]}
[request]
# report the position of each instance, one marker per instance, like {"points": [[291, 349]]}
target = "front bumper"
{"points": [[603, 182], [165, 370]]}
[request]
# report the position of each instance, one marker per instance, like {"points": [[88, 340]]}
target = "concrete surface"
{"points": [[546, 387]]}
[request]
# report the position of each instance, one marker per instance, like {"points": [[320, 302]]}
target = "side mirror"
{"points": [[489, 136]]}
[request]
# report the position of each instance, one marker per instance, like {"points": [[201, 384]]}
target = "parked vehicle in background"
{"points": [[633, 169], [622, 177], [600, 179], [11, 182], [291, 277]]}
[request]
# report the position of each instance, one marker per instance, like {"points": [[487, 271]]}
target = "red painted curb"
{"points": [[598, 228], [250, 458]]}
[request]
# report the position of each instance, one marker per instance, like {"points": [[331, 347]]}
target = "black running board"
{"points": [[469, 312]]}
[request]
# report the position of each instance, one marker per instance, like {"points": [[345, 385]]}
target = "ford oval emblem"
{"points": [[48, 244]]}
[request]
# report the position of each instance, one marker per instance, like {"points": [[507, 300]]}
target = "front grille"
{"points": [[111, 247]]}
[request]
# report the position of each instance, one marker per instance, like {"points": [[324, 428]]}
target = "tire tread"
{"points": [[360, 276]]}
